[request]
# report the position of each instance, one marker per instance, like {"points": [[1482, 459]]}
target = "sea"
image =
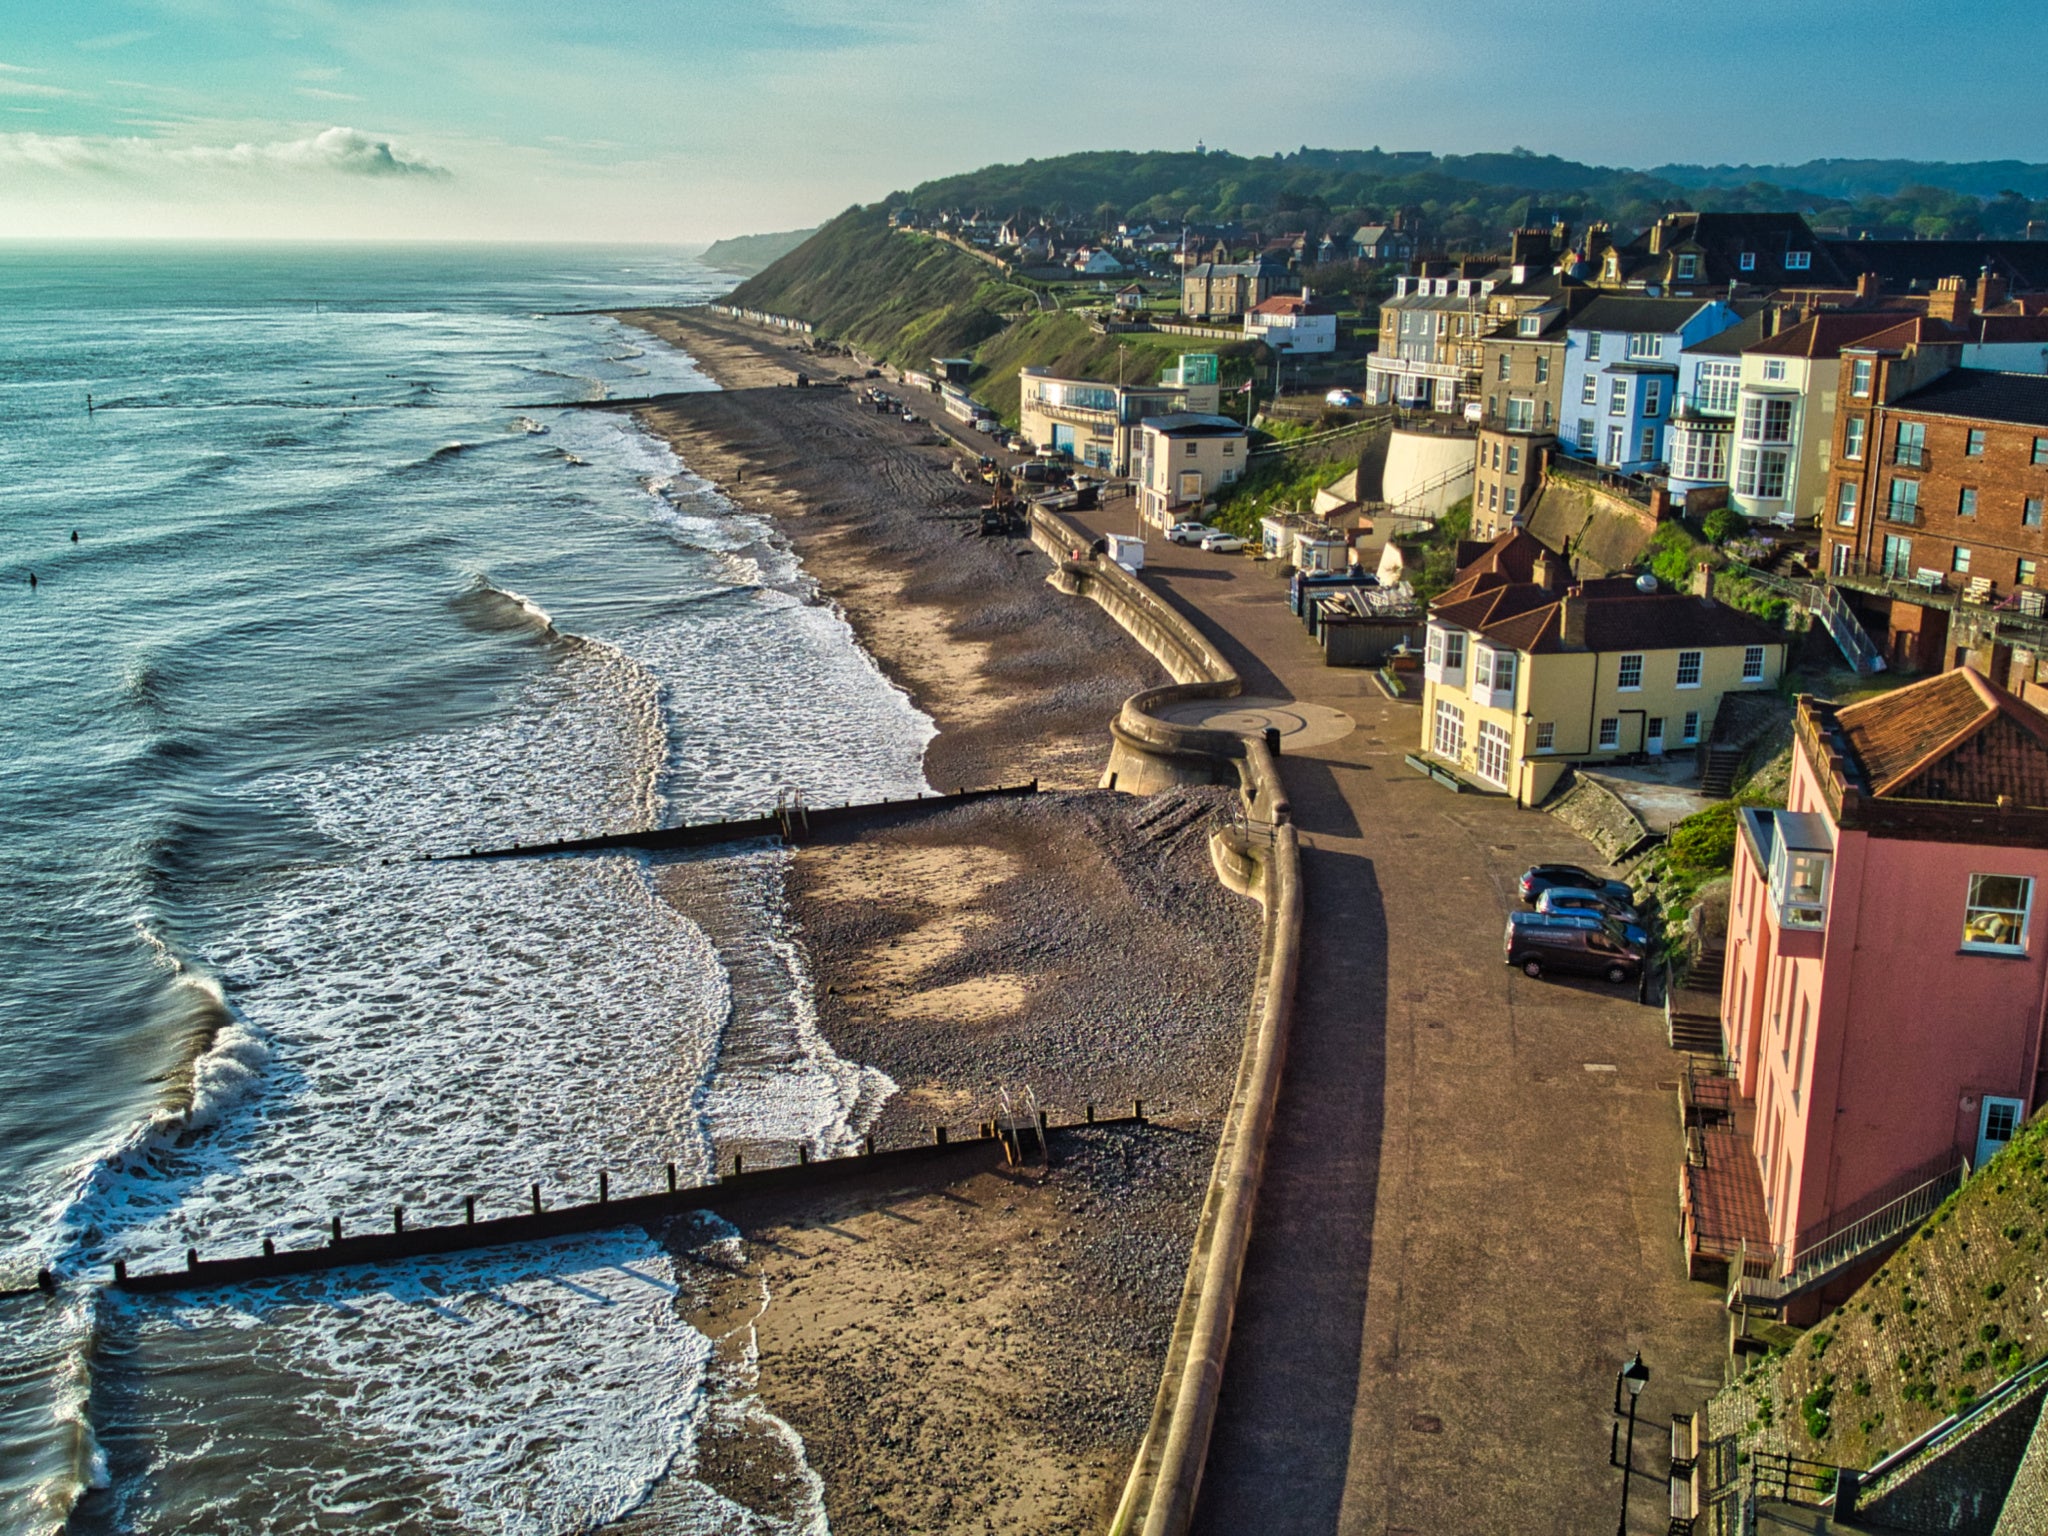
{"points": [[331, 575]]}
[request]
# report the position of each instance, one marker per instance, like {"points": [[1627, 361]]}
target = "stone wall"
{"points": [[1597, 814], [1959, 1488]]}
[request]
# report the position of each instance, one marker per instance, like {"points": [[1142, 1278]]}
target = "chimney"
{"points": [[1703, 581], [1948, 301], [1990, 291], [1868, 287], [1657, 238], [1571, 618], [1549, 572]]}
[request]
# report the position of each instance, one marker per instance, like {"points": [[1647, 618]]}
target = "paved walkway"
{"points": [[1469, 1216]]}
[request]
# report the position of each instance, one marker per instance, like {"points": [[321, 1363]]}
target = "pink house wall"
{"points": [[1872, 1055]]}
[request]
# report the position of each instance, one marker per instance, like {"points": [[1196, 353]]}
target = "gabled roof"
{"points": [[1826, 335], [1291, 304], [1980, 394], [1624, 313], [1958, 737]]}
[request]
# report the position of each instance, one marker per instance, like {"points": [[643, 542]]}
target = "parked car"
{"points": [[1541, 877], [1188, 533], [1222, 543], [1571, 943], [1343, 397], [1568, 898]]}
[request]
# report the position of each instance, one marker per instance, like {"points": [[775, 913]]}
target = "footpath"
{"points": [[1468, 1218]]}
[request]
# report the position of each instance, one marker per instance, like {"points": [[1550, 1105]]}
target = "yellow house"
{"points": [[1527, 673]]}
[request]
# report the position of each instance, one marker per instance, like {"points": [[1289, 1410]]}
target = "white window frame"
{"points": [[1546, 735], [1653, 396], [1862, 372], [1798, 261], [1610, 733], [1495, 758], [1753, 659], [1774, 369], [1845, 503], [1746, 261], [1589, 390], [1449, 739], [1628, 675], [1617, 396], [1693, 662], [1989, 917], [1645, 344], [1592, 346], [1692, 727], [1852, 437]]}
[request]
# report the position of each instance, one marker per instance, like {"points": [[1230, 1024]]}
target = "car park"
{"points": [[1188, 533], [1222, 543], [1573, 944], [1566, 898], [1541, 877]]}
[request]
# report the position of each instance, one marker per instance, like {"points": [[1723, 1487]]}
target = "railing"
{"points": [[1791, 1479], [1641, 489], [1754, 1278], [1931, 1439]]}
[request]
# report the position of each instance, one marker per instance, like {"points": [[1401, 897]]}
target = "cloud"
{"points": [[111, 40], [319, 93], [340, 152]]}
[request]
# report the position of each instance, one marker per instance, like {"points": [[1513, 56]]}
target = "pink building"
{"points": [[1884, 993]]}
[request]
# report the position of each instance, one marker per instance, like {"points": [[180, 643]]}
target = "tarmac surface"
{"points": [[1469, 1213]]}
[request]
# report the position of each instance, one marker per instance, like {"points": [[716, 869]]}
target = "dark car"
{"points": [[1541, 877], [1574, 943], [1572, 898]]}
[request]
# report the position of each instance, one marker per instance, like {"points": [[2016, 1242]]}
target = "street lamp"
{"points": [[1634, 1376]]}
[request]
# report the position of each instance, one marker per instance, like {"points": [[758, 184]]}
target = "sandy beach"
{"points": [[978, 1355]]}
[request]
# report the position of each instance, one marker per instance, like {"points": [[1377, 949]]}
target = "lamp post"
{"points": [[1633, 1376]]}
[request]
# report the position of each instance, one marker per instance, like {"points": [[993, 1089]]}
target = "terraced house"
{"points": [[1527, 672]]}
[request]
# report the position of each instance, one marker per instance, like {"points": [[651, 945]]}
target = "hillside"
{"points": [[744, 255], [1952, 1313]]}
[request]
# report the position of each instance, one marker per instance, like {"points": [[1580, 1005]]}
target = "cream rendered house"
{"points": [[1526, 672], [1183, 460]]}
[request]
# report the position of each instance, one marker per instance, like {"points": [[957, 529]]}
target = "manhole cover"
{"points": [[1426, 1424]]}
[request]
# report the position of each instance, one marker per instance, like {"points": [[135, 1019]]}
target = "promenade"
{"points": [[1468, 1218]]}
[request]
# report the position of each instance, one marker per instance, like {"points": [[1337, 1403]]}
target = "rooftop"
{"points": [[1979, 394], [1626, 313], [1958, 737], [1826, 335], [1194, 424]]}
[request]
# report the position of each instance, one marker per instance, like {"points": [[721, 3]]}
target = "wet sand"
{"points": [[981, 1355]]}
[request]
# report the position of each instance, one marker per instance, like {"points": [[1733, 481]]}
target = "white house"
{"points": [[1183, 459], [1292, 322]]}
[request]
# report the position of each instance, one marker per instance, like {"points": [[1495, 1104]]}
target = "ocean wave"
{"points": [[483, 604]]}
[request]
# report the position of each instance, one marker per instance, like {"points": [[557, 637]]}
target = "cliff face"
{"points": [[1604, 533], [1959, 1308]]}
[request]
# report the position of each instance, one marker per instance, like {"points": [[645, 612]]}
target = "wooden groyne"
{"points": [[792, 822], [992, 1145]]}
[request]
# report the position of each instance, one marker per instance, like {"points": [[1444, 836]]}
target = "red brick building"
{"points": [[1937, 505]]}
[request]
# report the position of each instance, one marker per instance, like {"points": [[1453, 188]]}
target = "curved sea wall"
{"points": [[1261, 858]]}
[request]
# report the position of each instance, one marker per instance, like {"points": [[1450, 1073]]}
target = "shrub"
{"points": [[1813, 1408], [1721, 525], [1705, 839]]}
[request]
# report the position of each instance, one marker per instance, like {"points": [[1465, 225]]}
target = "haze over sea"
{"points": [[342, 593]]}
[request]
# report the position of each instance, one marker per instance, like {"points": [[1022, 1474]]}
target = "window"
{"points": [[1449, 740], [1904, 506], [1230, 450], [1975, 446], [1617, 397], [1592, 346], [1746, 261], [1587, 438], [1799, 881], [1617, 440], [1753, 664], [1766, 420], [1505, 367], [1689, 668], [2030, 513], [1645, 344], [1718, 384], [1852, 437], [1454, 650], [1845, 504], [1542, 367], [1692, 726], [1493, 497], [1531, 325], [1631, 674], [1521, 416], [1798, 261], [1898, 557], [1482, 669], [1546, 735], [1959, 562], [1860, 370], [1189, 450], [1514, 458], [1433, 654], [1701, 456], [1996, 916], [1653, 396], [2041, 450], [2024, 576], [1507, 500], [1966, 501], [1910, 443], [1610, 734], [1774, 369], [1504, 670], [1496, 455], [1589, 392], [1494, 754], [1760, 472], [1647, 448]]}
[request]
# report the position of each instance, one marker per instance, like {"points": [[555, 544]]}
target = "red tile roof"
{"points": [[1958, 737], [1826, 335]]}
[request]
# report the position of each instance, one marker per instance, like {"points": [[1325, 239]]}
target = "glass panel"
{"points": [[1996, 917]]}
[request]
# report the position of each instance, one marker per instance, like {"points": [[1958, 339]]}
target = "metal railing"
{"points": [[1755, 1277]]}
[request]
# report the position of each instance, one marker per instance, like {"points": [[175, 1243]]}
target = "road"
{"points": [[1469, 1212]]}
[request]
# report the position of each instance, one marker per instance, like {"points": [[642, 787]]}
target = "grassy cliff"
{"points": [[1952, 1313], [744, 255]]}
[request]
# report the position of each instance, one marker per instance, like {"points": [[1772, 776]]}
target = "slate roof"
{"points": [[1920, 264], [1733, 341], [1980, 394], [1195, 424], [1958, 737], [1626, 313]]}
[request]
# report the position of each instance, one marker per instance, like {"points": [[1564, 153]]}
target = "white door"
{"points": [[1996, 1126], [1653, 738]]}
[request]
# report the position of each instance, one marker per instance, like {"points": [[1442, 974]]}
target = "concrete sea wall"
{"points": [[1263, 859]]}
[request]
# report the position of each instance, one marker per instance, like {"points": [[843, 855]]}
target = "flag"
{"points": [[1245, 388]]}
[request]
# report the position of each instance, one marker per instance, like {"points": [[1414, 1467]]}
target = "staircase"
{"points": [[1754, 1281], [1717, 773]]}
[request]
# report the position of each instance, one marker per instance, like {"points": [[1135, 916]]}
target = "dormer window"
{"points": [[1746, 261], [1532, 325], [1688, 265], [1798, 261]]}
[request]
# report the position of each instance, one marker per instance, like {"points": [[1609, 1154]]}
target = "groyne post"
{"points": [[397, 1219], [334, 1230], [604, 1186], [469, 1210], [671, 1178], [536, 1199]]}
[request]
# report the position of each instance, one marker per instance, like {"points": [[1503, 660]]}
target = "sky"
{"points": [[684, 120]]}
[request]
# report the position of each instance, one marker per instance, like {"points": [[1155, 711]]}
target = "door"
{"points": [[1653, 735], [1996, 1126]]}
